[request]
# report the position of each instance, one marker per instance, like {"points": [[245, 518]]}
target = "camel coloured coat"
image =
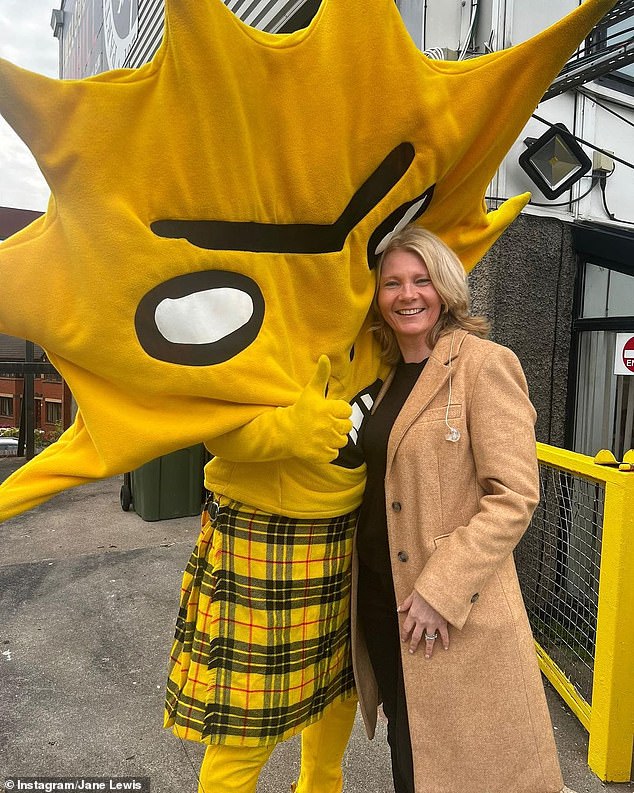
{"points": [[455, 511]]}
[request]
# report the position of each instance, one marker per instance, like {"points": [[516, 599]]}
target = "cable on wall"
{"points": [[608, 109], [602, 184], [469, 36], [588, 144], [595, 182]]}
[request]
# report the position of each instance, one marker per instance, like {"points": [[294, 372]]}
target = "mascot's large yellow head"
{"points": [[216, 214]]}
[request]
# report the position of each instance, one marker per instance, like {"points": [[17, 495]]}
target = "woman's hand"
{"points": [[422, 621]]}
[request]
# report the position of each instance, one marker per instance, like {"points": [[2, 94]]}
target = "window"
{"points": [[6, 406], [604, 400], [53, 412], [611, 36], [606, 293]]}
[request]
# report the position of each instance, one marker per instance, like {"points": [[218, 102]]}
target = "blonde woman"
{"points": [[452, 484]]}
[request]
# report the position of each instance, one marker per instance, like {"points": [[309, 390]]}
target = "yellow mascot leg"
{"points": [[323, 746], [232, 769]]}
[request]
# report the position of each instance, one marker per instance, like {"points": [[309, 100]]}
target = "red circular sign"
{"points": [[628, 354]]}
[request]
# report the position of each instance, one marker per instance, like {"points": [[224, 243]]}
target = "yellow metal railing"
{"points": [[576, 566]]}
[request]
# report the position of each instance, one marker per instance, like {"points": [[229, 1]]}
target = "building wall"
{"points": [[525, 286], [10, 389], [110, 34], [502, 23], [49, 395], [47, 388], [81, 42]]}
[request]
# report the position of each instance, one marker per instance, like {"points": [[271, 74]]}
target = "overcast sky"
{"points": [[26, 38]]}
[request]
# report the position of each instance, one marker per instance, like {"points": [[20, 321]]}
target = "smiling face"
{"points": [[408, 302]]}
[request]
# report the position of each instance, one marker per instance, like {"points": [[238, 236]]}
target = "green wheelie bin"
{"points": [[172, 486]]}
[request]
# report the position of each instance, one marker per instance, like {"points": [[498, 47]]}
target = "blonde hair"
{"points": [[449, 280]]}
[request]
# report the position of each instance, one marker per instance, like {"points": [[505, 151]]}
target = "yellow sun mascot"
{"points": [[208, 256]]}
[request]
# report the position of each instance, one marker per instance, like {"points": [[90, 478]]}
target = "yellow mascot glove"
{"points": [[313, 429]]}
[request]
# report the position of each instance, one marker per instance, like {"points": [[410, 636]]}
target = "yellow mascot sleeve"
{"points": [[313, 429], [215, 215]]}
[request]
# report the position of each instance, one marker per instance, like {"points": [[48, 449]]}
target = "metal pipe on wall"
{"points": [[470, 32], [29, 402]]}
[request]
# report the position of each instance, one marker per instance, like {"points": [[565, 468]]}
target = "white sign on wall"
{"points": [[624, 357], [121, 26]]}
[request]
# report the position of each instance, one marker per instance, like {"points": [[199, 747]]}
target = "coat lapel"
{"points": [[432, 379]]}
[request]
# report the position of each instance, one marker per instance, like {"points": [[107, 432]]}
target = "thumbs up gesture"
{"points": [[314, 428], [317, 427]]}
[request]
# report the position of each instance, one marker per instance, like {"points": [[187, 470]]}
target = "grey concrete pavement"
{"points": [[88, 599]]}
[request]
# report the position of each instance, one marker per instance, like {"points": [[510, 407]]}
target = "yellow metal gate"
{"points": [[576, 568]]}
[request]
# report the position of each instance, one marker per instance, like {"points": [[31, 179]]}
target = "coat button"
{"points": [[474, 597], [396, 506], [403, 556]]}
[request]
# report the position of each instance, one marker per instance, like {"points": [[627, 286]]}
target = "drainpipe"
{"points": [[471, 31], [424, 47]]}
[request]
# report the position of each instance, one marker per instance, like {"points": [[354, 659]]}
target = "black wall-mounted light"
{"points": [[555, 161]]}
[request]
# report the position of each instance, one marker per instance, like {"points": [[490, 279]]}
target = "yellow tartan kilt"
{"points": [[262, 644]]}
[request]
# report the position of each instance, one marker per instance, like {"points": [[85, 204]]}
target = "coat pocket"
{"points": [[440, 538]]}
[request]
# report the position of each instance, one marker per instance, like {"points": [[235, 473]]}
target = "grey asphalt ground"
{"points": [[88, 600]]}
